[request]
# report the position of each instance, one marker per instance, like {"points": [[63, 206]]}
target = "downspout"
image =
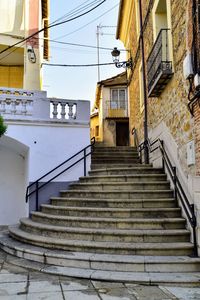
{"points": [[146, 150]]}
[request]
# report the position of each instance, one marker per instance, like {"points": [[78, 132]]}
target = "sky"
{"points": [[80, 83]]}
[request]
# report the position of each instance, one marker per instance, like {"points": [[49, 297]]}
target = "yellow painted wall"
{"points": [[11, 76], [94, 123]]}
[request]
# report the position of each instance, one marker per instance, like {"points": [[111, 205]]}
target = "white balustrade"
{"points": [[64, 109], [18, 104]]}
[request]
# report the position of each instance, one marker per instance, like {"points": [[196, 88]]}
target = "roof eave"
{"points": [[119, 19]]}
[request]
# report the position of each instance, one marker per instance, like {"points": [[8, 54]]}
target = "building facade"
{"points": [[20, 66], [171, 36], [109, 120]]}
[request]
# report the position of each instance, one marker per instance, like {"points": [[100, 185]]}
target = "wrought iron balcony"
{"points": [[159, 66]]}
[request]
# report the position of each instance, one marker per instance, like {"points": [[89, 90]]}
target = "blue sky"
{"points": [[80, 83]]}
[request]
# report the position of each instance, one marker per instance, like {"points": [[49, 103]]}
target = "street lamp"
{"points": [[124, 64]]}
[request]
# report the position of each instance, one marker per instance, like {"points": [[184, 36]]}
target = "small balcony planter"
{"points": [[3, 127]]}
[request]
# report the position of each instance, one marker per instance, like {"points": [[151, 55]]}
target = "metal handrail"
{"points": [[136, 140], [179, 192], [36, 183]]}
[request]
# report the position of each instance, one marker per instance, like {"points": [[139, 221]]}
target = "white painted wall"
{"points": [[190, 184], [50, 145], [13, 181]]}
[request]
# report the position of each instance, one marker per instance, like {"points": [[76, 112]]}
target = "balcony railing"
{"points": [[159, 65], [19, 104], [116, 109]]}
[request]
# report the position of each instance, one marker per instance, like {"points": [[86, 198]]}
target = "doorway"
{"points": [[122, 134]]}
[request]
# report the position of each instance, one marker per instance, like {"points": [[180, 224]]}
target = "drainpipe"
{"points": [[146, 150]]}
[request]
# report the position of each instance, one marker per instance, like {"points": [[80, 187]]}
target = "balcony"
{"points": [[159, 66], [116, 109]]}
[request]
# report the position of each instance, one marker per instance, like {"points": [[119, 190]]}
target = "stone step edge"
{"points": [[111, 191], [124, 176], [117, 232], [7, 241], [112, 200], [136, 167], [166, 182], [36, 260], [111, 220], [17, 233], [111, 209]]}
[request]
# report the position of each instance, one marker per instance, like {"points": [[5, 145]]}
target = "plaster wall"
{"points": [[12, 17], [13, 181], [50, 145]]}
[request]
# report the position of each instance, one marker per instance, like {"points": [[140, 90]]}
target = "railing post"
{"points": [[174, 181], [163, 161], [194, 224], [37, 195], [84, 161]]}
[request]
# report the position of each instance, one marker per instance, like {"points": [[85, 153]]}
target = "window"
{"points": [[118, 99], [97, 131]]}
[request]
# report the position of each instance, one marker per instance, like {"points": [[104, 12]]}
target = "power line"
{"points": [[62, 36], [50, 26], [86, 65], [80, 45], [76, 10]]}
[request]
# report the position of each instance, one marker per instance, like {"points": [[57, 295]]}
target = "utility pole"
{"points": [[98, 54], [146, 150], [99, 27]]}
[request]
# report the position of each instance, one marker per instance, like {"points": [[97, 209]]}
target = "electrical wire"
{"points": [[62, 36], [86, 65], [51, 26], [70, 13], [76, 10], [80, 45]]}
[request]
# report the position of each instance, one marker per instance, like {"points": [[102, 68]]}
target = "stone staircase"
{"points": [[121, 222]]}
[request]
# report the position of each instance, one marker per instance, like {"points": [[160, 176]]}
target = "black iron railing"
{"points": [[35, 187], [136, 141], [158, 62], [179, 193]]}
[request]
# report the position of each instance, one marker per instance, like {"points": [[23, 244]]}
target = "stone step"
{"points": [[96, 166], [124, 178], [105, 235], [111, 212], [152, 249], [112, 223], [115, 153], [115, 149], [114, 203], [135, 170], [110, 194], [115, 161], [121, 186], [97, 262]]}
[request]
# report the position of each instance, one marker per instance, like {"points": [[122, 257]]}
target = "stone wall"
{"points": [[171, 106], [197, 136]]}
